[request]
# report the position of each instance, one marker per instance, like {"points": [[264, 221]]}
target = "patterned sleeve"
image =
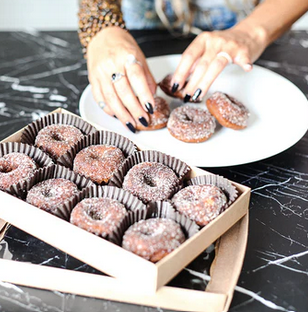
{"points": [[95, 15]]}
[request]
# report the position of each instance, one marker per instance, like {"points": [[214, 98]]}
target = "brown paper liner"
{"points": [[224, 184], [130, 202], [53, 172], [160, 209], [98, 138], [30, 132], [180, 168], [41, 159]]}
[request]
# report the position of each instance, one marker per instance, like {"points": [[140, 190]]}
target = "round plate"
{"points": [[278, 118]]}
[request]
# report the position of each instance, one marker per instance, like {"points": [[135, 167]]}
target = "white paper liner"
{"points": [[98, 138], [180, 168], [57, 171], [130, 202], [30, 132], [224, 184], [41, 159]]}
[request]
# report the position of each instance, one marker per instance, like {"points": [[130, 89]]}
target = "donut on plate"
{"points": [[228, 111], [14, 168], [154, 238], [191, 124], [98, 162], [57, 139]]}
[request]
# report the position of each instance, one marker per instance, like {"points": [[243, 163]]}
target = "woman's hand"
{"points": [[129, 98], [210, 53]]}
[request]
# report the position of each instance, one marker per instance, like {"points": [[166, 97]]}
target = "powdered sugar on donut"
{"points": [[150, 181], [153, 238], [200, 203], [50, 194], [99, 216], [98, 162], [15, 167], [57, 139], [191, 124]]}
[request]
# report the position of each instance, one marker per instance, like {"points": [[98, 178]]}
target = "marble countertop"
{"points": [[42, 71]]}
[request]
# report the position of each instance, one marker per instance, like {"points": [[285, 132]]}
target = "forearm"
{"points": [[272, 18], [95, 15]]}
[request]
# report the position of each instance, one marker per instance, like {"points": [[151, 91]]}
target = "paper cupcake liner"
{"points": [[161, 209], [180, 168], [98, 138], [130, 202], [53, 172], [224, 184], [30, 132], [41, 159]]}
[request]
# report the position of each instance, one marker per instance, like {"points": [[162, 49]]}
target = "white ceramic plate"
{"points": [[278, 118]]}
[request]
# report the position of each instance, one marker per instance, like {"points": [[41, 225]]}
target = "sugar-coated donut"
{"points": [[14, 168], [57, 139], [228, 111], [200, 203], [52, 193], [98, 162], [153, 239], [159, 118], [166, 87], [99, 216], [150, 181], [191, 124]]}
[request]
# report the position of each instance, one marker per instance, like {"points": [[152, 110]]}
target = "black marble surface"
{"points": [[42, 71]]}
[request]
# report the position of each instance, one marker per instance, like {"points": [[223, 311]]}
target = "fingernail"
{"points": [[174, 87], [248, 66], [187, 98], [143, 121], [149, 107], [115, 116], [196, 94], [131, 127]]}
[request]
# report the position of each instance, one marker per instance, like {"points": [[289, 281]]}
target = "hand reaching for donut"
{"points": [[210, 53], [121, 81]]}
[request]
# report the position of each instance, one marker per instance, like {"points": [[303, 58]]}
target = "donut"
{"points": [[150, 181], [14, 168], [200, 203], [98, 162], [56, 140], [159, 118], [99, 216], [166, 87], [154, 238], [52, 193], [190, 124], [228, 111]]}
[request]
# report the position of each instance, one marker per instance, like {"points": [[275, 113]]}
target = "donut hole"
{"points": [[7, 168], [94, 214], [47, 193], [56, 137], [146, 232], [148, 180], [186, 117]]}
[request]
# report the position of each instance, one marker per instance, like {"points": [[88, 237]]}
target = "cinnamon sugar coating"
{"points": [[14, 168], [57, 139], [150, 181], [159, 118], [52, 193], [98, 162], [228, 111], [200, 203], [153, 239], [191, 124], [99, 216]]}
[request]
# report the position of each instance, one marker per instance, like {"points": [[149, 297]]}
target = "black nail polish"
{"points": [[143, 121], [196, 94], [187, 98], [114, 116], [149, 107], [174, 87], [131, 127]]}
